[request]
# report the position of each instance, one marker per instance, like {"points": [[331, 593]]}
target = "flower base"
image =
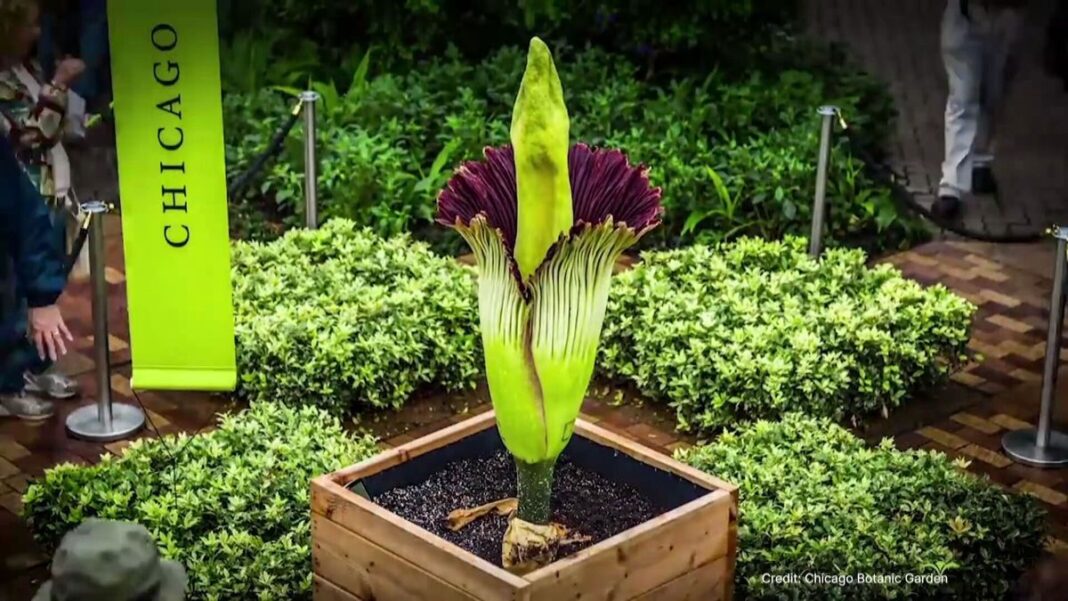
{"points": [[363, 552]]}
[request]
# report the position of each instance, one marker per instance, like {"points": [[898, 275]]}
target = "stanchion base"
{"points": [[1021, 446], [84, 423]]}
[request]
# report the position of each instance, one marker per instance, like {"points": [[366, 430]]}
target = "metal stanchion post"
{"points": [[1046, 447], [311, 208], [103, 421], [815, 242]]}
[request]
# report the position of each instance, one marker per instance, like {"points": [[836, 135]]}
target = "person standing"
{"points": [[978, 39], [33, 269], [34, 115]]}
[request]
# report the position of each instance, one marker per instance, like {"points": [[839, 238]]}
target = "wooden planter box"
{"points": [[362, 552]]}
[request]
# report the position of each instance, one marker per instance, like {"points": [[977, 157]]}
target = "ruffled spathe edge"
{"points": [[604, 185]]}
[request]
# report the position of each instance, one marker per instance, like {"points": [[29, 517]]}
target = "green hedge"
{"points": [[342, 319], [734, 156], [756, 329], [710, 30], [231, 505], [814, 499]]}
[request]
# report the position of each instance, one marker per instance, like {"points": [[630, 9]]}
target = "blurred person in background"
{"points": [[978, 43], [34, 117], [80, 28], [32, 276]]}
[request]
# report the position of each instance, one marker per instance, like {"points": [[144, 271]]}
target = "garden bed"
{"points": [[368, 552], [813, 467]]}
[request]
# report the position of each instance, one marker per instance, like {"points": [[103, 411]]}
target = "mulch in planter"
{"points": [[582, 500]]}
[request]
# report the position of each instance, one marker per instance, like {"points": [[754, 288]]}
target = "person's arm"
{"points": [[42, 126], [38, 263]]}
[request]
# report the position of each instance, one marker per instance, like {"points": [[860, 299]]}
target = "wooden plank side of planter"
{"points": [[732, 551], [368, 571], [706, 583], [657, 460], [415, 448], [686, 553], [446, 561], [643, 558], [648, 456], [324, 590]]}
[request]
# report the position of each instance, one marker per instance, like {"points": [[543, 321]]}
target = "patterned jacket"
{"points": [[32, 127]]}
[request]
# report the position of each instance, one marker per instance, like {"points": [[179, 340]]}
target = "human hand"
{"points": [[48, 329], [68, 70]]}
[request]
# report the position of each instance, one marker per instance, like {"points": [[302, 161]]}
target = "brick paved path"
{"points": [[898, 42]]}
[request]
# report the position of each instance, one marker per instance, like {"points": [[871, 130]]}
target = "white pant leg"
{"points": [[962, 55]]}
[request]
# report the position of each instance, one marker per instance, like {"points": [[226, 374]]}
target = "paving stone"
{"points": [[1010, 423], [118, 447], [12, 502], [1054, 479], [8, 469], [11, 450], [950, 441], [1056, 545], [976, 423], [1010, 323], [986, 455], [18, 483], [1044, 493]]}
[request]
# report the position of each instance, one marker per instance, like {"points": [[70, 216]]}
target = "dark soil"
{"points": [[584, 501]]}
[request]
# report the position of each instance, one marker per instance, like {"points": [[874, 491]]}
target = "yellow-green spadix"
{"points": [[540, 139]]}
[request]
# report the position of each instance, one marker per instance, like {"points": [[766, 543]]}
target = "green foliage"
{"points": [[814, 499], [734, 157], [231, 505], [342, 319], [417, 29], [756, 329]]}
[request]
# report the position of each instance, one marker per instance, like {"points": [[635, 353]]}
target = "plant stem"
{"points": [[535, 488]]}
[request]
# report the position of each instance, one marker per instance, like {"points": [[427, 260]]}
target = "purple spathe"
{"points": [[603, 185]]}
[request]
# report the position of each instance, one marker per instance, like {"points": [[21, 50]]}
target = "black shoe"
{"points": [[983, 181], [945, 207]]}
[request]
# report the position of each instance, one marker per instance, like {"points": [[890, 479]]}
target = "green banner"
{"points": [[172, 185]]}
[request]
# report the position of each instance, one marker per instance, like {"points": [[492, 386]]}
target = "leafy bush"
{"points": [[414, 29], [814, 499], [231, 505], [734, 157], [342, 319], [756, 329]]}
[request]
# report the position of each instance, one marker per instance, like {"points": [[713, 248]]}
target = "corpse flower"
{"points": [[546, 222]]}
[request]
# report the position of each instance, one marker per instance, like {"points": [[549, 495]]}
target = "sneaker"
{"points": [[945, 206], [983, 181], [26, 406], [56, 386]]}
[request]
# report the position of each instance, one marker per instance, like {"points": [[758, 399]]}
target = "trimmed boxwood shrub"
{"points": [[814, 499], [231, 504], [755, 329], [342, 319]]}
